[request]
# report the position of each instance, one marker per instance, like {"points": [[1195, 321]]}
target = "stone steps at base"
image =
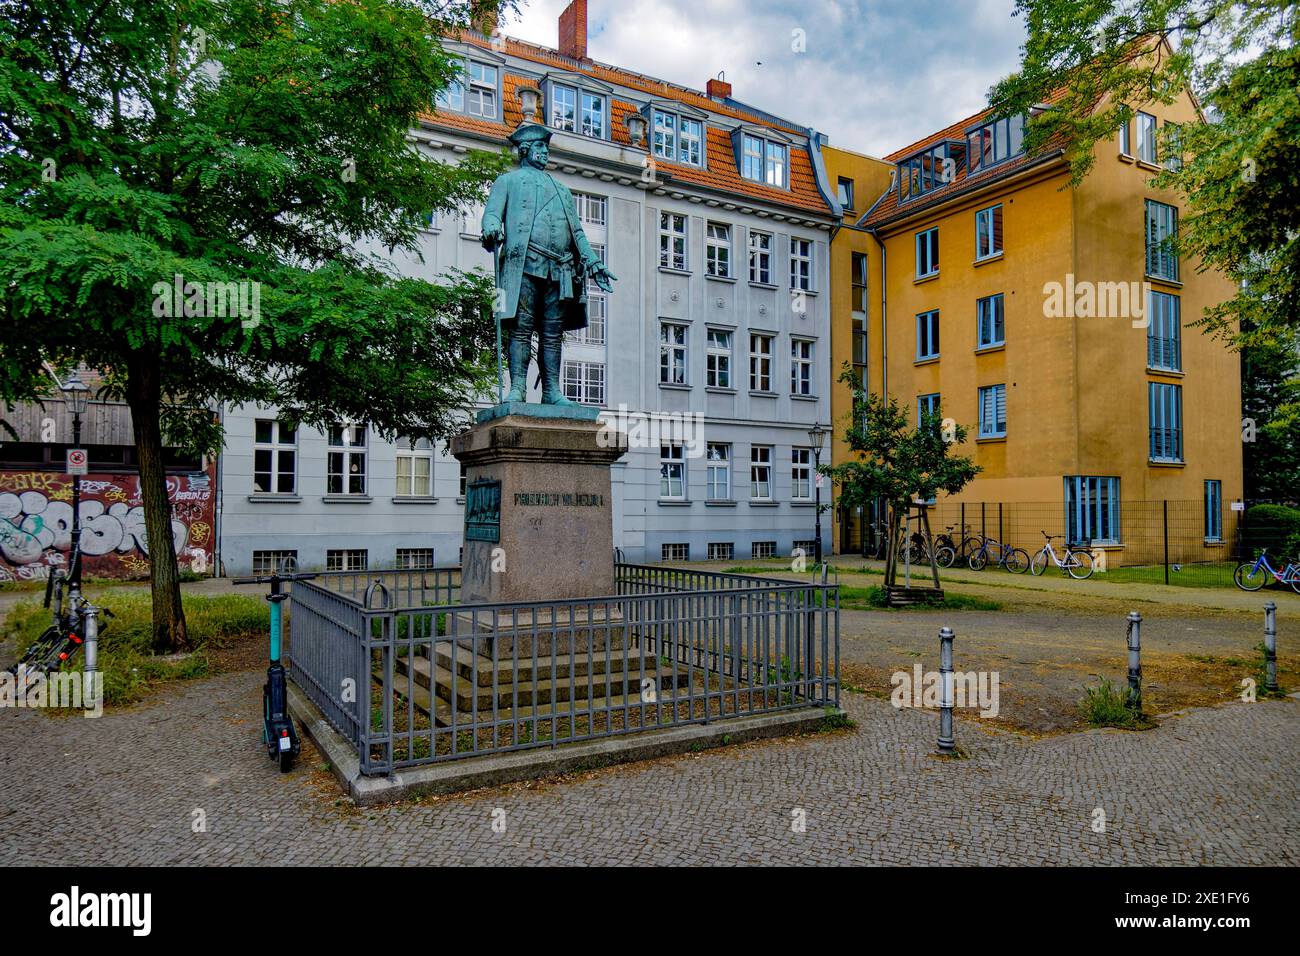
{"points": [[467, 696], [478, 668]]}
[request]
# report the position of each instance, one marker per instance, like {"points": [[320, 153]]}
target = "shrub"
{"points": [[1106, 705], [125, 654], [1275, 527]]}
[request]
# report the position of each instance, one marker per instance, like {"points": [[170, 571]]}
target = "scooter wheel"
{"points": [[286, 761]]}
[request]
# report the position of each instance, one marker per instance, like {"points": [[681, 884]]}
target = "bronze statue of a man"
{"points": [[543, 261]]}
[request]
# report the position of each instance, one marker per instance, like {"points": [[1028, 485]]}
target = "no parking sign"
{"points": [[76, 461]]}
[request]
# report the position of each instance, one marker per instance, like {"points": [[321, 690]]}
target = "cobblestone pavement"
{"points": [[1210, 786]]}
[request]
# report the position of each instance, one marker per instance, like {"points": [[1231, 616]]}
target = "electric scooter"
{"points": [[278, 733]]}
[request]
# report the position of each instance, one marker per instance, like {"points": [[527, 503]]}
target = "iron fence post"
{"points": [[947, 744], [1134, 638], [1270, 647], [1165, 523]]}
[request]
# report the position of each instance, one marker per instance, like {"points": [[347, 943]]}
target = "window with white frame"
{"points": [[593, 115], [414, 559], [346, 559], [801, 367], [672, 241], [801, 262], [801, 474], [718, 464], [1164, 332], [275, 457], [481, 94], [672, 472], [844, 193], [776, 168], [751, 157], [927, 335], [1161, 234], [760, 257], [564, 108], [988, 232], [594, 333], [760, 362], [592, 210], [672, 353], [1146, 138], [1165, 417], [584, 382], [1125, 146], [464, 480], [678, 139], [722, 551], [677, 551], [993, 411], [990, 322], [1091, 510], [718, 359], [415, 469], [762, 549], [1213, 510], [282, 562], [345, 473], [1173, 147], [927, 253], [760, 472], [717, 250], [452, 96]]}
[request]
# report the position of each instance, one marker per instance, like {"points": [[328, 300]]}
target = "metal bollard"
{"points": [[90, 613], [946, 743], [1270, 646], [1135, 660]]}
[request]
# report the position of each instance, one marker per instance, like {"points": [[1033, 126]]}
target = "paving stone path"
{"points": [[1212, 786]]}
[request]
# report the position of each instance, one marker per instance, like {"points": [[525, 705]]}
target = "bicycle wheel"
{"points": [[40, 648], [968, 547], [1038, 564], [944, 557], [1250, 578], [1078, 564], [1017, 561], [977, 561]]}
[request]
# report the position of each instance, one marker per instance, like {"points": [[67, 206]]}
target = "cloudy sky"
{"points": [[875, 74]]}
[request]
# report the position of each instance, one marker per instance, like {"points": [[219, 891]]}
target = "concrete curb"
{"points": [[497, 769]]}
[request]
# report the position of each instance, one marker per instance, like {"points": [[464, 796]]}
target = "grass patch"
{"points": [[125, 657], [835, 720], [877, 599], [1206, 574], [1106, 705]]}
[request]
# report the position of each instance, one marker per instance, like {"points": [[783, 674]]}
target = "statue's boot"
{"points": [[549, 360], [518, 357]]}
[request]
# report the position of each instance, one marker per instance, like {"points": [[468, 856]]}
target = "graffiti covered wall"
{"points": [[36, 524]]}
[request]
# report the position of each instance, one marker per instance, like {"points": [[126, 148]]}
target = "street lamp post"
{"points": [[816, 435], [77, 395]]}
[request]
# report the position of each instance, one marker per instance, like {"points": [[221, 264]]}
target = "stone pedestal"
{"points": [[538, 511]]}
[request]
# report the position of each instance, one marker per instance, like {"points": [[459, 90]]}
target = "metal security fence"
{"points": [[412, 676]]}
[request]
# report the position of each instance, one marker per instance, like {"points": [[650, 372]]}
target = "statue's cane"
{"points": [[496, 314]]}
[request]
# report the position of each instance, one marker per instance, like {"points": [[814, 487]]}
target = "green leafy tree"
{"points": [[894, 462], [1270, 396], [251, 152], [1097, 62]]}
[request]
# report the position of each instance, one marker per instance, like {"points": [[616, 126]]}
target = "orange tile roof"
{"points": [[720, 171]]}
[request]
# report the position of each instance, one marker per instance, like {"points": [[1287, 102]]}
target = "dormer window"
{"points": [[577, 111], [928, 170], [678, 139], [475, 92], [995, 141], [764, 161]]}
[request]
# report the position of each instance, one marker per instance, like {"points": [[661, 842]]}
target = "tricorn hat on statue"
{"points": [[530, 133]]}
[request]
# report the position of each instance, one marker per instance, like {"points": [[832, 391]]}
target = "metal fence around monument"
{"points": [[410, 675]]}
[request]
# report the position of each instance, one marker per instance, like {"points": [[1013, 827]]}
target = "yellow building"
{"points": [[858, 180], [1054, 323]]}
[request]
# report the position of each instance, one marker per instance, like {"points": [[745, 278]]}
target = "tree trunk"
{"points": [[144, 395]]}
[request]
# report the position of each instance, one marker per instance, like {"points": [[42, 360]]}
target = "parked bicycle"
{"points": [[1015, 560], [1252, 577], [1076, 562], [69, 627]]}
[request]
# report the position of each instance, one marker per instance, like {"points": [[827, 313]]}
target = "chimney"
{"points": [[573, 30], [719, 89]]}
